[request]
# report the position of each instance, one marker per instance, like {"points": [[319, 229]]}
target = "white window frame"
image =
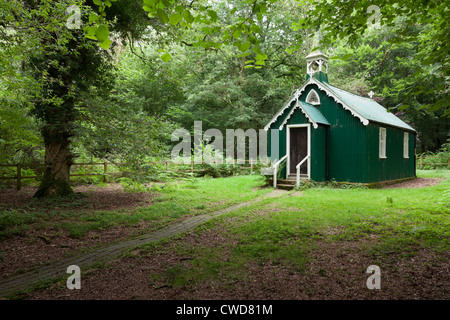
{"points": [[308, 97], [406, 145], [382, 143]]}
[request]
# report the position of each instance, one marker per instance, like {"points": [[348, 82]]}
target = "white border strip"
{"points": [[298, 105], [297, 94]]}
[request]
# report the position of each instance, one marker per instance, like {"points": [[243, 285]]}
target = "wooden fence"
{"points": [[168, 164], [425, 160], [421, 162]]}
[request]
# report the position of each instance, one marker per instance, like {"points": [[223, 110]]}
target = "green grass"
{"points": [[412, 215], [175, 200], [438, 173]]}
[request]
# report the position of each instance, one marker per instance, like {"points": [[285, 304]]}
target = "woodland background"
{"points": [[231, 64]]}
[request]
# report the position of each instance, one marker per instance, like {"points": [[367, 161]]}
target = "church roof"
{"points": [[365, 109], [368, 108], [311, 113]]}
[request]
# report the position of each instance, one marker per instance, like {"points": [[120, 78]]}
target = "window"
{"points": [[382, 143], [405, 145], [313, 98]]}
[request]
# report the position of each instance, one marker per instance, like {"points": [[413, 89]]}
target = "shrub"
{"points": [[438, 160]]}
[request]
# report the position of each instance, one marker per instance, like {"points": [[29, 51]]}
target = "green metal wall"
{"points": [[347, 140], [318, 145], [282, 139], [394, 166]]}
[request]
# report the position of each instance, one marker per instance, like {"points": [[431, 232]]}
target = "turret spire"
{"points": [[317, 61]]}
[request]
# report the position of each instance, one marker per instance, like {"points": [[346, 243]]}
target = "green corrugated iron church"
{"points": [[338, 135]]}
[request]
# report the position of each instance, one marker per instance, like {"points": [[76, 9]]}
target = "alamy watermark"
{"points": [[375, 18], [74, 281], [374, 281], [74, 20], [210, 147]]}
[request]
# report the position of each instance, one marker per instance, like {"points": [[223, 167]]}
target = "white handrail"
{"points": [[298, 170], [275, 170]]}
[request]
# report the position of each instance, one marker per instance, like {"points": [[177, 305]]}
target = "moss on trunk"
{"points": [[56, 178]]}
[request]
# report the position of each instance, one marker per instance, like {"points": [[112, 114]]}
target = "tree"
{"points": [[72, 70], [423, 22]]}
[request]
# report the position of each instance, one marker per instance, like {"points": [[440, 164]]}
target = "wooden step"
{"points": [[285, 186], [294, 177], [286, 181]]}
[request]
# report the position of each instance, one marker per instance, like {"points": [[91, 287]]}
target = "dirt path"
{"points": [[58, 269], [415, 183]]}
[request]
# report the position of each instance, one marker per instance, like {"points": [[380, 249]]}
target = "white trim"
{"points": [[363, 120], [308, 97], [297, 167], [298, 105], [288, 147], [297, 94], [405, 145], [275, 170], [294, 97], [382, 143]]}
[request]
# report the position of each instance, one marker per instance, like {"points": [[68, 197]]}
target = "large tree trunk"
{"points": [[58, 160]]}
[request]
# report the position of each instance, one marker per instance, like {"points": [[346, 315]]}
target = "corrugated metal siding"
{"points": [[282, 139], [318, 153], [347, 141], [394, 166], [318, 146], [412, 155]]}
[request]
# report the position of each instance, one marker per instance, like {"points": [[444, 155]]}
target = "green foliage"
{"points": [[20, 141], [15, 223], [231, 64], [131, 185], [216, 171], [422, 23], [73, 79], [435, 160]]}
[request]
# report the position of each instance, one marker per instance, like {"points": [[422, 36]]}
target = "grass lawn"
{"points": [[76, 214], [315, 243]]}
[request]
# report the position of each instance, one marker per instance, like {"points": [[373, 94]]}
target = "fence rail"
{"points": [[422, 160], [18, 177]]}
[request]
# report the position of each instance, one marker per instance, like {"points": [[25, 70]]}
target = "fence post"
{"points": [[233, 167], [420, 162], [448, 163], [167, 165], [192, 166], [105, 169], [19, 176], [251, 166]]}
